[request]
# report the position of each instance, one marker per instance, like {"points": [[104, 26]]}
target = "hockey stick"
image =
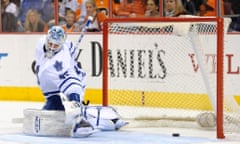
{"points": [[90, 18]]}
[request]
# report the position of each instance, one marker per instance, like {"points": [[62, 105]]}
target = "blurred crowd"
{"points": [[39, 15]]}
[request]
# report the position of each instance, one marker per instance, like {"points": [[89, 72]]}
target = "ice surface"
{"points": [[11, 132]]}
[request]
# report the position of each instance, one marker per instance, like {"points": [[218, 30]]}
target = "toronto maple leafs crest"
{"points": [[58, 65]]}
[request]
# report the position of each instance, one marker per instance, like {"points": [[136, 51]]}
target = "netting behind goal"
{"points": [[168, 70]]}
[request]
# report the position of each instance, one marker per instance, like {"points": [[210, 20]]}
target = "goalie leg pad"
{"points": [[104, 118], [52, 123], [74, 115], [45, 123], [102, 124], [72, 109], [103, 112]]}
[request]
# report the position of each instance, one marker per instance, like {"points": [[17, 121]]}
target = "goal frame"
{"points": [[220, 61]]}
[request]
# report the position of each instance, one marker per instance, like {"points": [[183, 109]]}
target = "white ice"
{"points": [[11, 132]]}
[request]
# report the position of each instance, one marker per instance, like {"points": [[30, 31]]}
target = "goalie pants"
{"points": [[53, 103]]}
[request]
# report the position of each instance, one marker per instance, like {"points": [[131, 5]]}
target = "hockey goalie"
{"points": [[62, 82]]}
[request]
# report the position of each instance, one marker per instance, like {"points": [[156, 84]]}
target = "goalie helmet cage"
{"points": [[138, 68]]}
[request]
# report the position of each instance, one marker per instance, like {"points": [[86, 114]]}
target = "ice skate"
{"points": [[82, 128]]}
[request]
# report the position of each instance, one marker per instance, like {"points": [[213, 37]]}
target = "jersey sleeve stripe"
{"points": [[69, 85], [47, 94], [69, 79]]}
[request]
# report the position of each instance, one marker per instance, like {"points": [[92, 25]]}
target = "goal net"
{"points": [[170, 71]]}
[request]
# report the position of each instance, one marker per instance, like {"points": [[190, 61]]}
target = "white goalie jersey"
{"points": [[59, 73], [63, 84]]}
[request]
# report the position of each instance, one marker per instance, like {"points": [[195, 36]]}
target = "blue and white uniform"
{"points": [[59, 73], [63, 84]]}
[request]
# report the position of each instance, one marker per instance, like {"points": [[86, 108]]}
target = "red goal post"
{"points": [[125, 38]]}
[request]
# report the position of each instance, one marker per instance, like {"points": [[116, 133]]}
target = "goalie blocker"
{"points": [[52, 123]]}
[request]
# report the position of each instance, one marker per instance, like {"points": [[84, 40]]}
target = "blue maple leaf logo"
{"points": [[58, 65]]}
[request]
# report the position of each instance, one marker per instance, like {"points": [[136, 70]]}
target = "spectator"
{"points": [[71, 25], [173, 8], [197, 4], [47, 12], [236, 25], [98, 16], [118, 10], [234, 9], [9, 22], [25, 6], [34, 23], [207, 8], [152, 8], [189, 7], [16, 2], [235, 6], [82, 12], [9, 7], [228, 8], [65, 6]]}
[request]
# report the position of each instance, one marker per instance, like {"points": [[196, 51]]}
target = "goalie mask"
{"points": [[54, 40]]}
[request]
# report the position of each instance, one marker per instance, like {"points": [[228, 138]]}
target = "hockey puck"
{"points": [[175, 134]]}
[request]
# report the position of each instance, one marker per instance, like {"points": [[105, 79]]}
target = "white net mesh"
{"points": [[164, 71]]}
